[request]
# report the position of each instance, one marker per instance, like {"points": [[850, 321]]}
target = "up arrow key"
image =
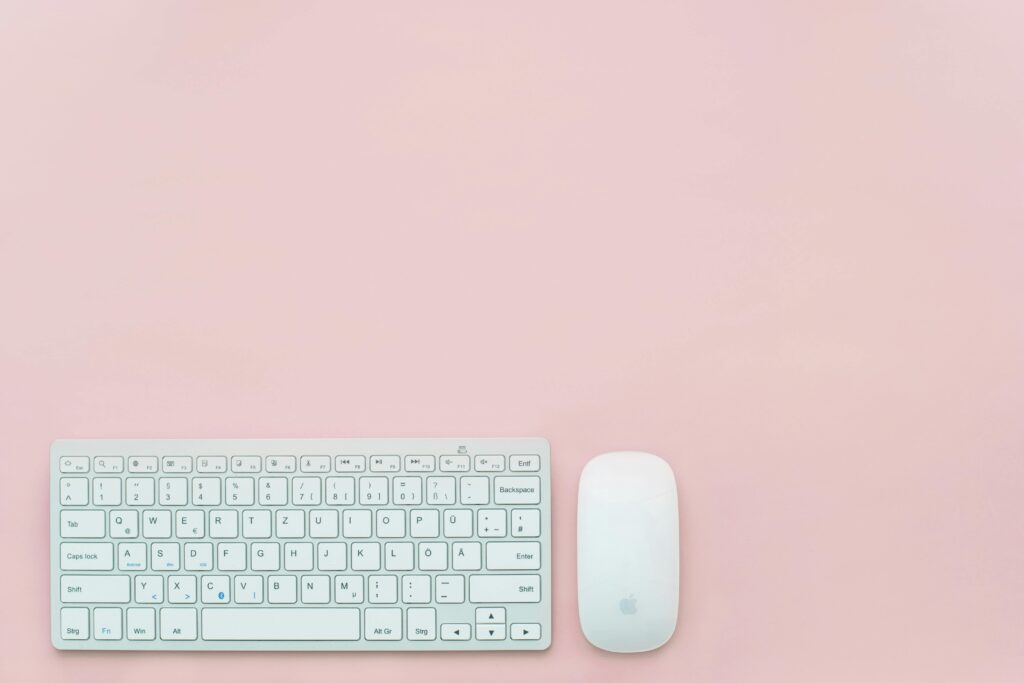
{"points": [[490, 615]]}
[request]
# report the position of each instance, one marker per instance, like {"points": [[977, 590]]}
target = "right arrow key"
{"points": [[525, 631]]}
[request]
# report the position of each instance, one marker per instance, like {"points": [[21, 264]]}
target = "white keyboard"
{"points": [[305, 544]]}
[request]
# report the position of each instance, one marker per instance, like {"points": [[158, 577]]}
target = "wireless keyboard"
{"points": [[306, 544]]}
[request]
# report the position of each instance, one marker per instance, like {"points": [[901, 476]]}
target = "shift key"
{"points": [[94, 588], [496, 588]]}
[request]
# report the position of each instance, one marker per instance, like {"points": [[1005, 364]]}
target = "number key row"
{"points": [[212, 491]]}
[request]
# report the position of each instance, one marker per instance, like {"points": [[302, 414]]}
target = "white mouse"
{"points": [[627, 546]]}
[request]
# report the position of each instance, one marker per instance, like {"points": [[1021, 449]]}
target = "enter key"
{"points": [[520, 555]]}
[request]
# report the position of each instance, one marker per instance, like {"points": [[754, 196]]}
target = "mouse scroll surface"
{"points": [[628, 552]]}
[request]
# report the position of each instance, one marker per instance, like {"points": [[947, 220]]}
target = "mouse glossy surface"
{"points": [[628, 552]]}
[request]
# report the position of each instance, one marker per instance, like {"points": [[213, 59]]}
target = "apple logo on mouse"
{"points": [[628, 605]]}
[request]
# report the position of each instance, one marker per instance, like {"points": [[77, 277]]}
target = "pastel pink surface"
{"points": [[778, 244]]}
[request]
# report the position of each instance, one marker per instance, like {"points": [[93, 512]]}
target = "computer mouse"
{"points": [[627, 546]]}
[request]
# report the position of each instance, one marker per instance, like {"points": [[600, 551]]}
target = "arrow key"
{"points": [[525, 631], [490, 631], [490, 615], [455, 631]]}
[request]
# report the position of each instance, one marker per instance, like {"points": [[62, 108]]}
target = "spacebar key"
{"points": [[280, 623]]}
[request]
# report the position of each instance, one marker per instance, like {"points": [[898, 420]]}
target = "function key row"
{"points": [[216, 464]]}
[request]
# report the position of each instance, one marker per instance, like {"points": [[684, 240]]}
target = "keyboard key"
{"points": [[143, 464], [340, 491], [248, 589], [516, 490], [315, 463], [348, 589], [140, 490], [111, 464], [421, 623], [282, 589], [490, 615], [497, 588], [373, 490], [441, 490], [491, 523], [87, 556], [94, 588], [316, 590], [231, 557], [106, 623], [524, 631], [455, 463], [149, 589], [181, 590], [74, 491], [356, 523], [525, 555], [281, 463], [385, 463], [190, 523], [432, 557], [489, 463], [177, 464], [524, 463], [239, 490], [407, 490], [425, 523], [74, 465], [156, 524], [106, 491], [349, 463], [198, 557], [140, 623], [466, 556], [526, 523], [323, 524], [306, 491], [179, 623], [490, 631], [329, 623], [131, 557], [456, 631], [383, 623], [212, 464], [416, 589], [419, 463], [273, 491], [450, 589], [124, 523], [331, 557], [246, 464], [165, 557], [173, 491], [215, 590], [82, 523], [382, 589], [474, 490], [74, 623], [206, 491], [458, 523]]}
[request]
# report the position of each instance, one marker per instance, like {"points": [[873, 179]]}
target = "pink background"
{"points": [[780, 244]]}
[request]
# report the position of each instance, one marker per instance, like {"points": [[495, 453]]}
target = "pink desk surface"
{"points": [[780, 244]]}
